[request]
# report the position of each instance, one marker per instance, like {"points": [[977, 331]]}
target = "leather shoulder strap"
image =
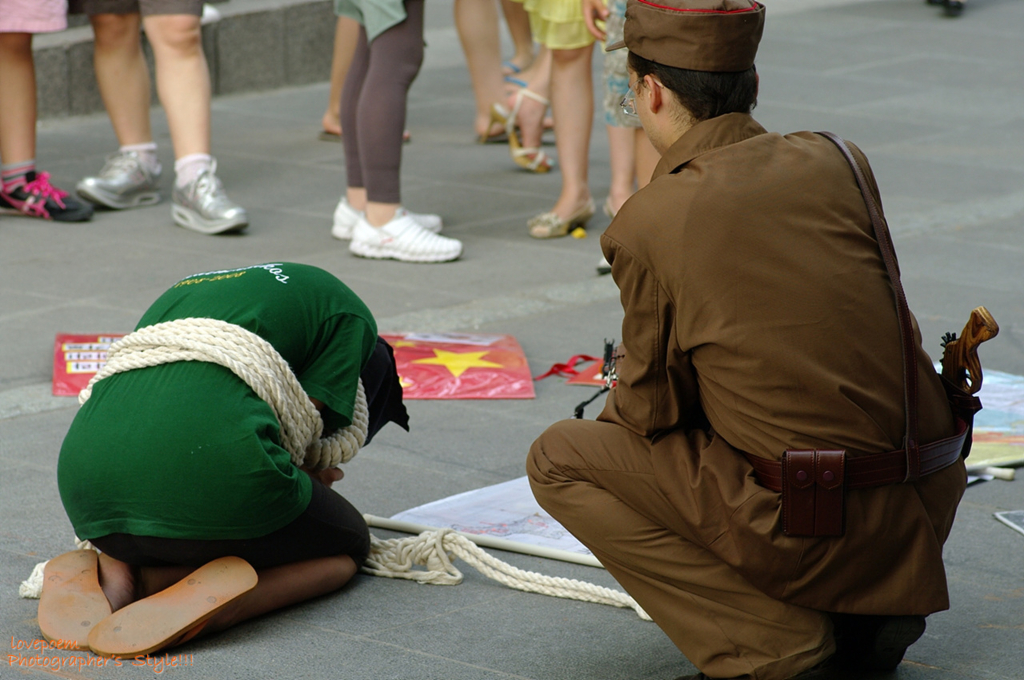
{"points": [[909, 344]]}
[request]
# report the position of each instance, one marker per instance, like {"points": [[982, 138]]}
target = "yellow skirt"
{"points": [[558, 24]]}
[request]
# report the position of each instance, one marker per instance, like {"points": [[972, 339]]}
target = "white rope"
{"points": [[395, 557], [32, 587], [255, 361]]}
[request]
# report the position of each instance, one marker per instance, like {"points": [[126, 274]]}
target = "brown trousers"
{"points": [[597, 480]]}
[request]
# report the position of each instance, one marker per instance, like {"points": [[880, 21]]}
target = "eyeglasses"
{"points": [[628, 103]]}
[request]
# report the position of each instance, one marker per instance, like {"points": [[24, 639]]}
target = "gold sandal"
{"points": [[530, 158], [499, 116], [550, 225]]}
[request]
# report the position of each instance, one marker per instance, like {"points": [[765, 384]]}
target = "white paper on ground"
{"points": [[507, 511]]}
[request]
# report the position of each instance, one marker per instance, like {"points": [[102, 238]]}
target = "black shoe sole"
{"points": [[891, 641]]}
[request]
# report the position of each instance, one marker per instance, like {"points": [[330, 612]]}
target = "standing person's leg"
{"points": [[182, 79], [346, 32], [130, 177], [572, 104], [645, 156], [22, 190], [122, 75], [622, 162], [477, 24], [621, 127], [387, 230], [518, 22], [352, 205], [526, 119], [183, 85], [395, 59], [598, 481], [17, 99]]}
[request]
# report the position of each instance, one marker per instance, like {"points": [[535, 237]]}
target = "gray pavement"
{"points": [[938, 106]]}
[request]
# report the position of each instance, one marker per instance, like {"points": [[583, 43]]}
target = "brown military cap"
{"points": [[699, 35]]}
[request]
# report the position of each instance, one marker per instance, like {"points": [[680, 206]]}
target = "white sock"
{"points": [[147, 154], [187, 168]]}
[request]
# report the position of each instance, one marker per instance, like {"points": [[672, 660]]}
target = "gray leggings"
{"points": [[373, 105]]}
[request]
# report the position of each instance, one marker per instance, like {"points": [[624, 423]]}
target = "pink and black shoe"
{"points": [[38, 198]]}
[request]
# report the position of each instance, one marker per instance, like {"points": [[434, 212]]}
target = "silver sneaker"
{"points": [[203, 206], [124, 182]]}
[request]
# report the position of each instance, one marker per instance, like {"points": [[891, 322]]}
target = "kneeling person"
{"points": [[179, 463]]}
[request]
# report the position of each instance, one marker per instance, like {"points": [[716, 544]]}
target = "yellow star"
{"points": [[404, 382], [403, 343], [458, 362]]}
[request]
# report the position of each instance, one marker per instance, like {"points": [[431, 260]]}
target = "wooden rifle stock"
{"points": [[960, 363]]}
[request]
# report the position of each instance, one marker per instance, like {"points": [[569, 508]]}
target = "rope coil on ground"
{"points": [[395, 558], [256, 362]]}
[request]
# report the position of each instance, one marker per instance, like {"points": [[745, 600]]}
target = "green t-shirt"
{"points": [[188, 450]]}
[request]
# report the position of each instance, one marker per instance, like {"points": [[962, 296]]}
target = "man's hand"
{"points": [[594, 11]]}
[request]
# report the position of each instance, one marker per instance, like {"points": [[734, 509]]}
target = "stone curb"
{"points": [[256, 45]]}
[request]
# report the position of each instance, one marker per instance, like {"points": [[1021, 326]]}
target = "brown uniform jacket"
{"points": [[759, 318]]}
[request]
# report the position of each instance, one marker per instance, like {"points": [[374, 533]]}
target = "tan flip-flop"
{"points": [[72, 601], [175, 614]]}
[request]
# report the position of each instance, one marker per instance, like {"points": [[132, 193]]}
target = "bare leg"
{"points": [[518, 22], [377, 214], [182, 79], [647, 158], [345, 33], [531, 112], [17, 98], [477, 24], [632, 158], [278, 587], [356, 197], [572, 103], [622, 159], [286, 585], [122, 75]]}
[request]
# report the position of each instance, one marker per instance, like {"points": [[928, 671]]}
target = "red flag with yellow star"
{"points": [[461, 366]]}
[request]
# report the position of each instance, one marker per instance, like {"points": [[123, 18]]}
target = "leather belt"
{"points": [[875, 469]]}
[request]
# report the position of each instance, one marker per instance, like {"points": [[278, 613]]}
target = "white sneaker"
{"points": [[345, 218], [403, 238]]}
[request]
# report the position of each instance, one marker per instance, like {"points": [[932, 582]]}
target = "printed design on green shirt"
{"points": [[221, 274], [202, 279]]}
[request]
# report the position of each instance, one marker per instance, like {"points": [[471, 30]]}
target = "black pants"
{"points": [[329, 526]]}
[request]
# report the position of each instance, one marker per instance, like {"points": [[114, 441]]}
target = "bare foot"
{"points": [[569, 205], [616, 198], [483, 125], [117, 579], [530, 120], [331, 123], [522, 62]]}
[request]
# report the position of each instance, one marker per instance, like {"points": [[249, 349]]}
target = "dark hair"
{"points": [[704, 94]]}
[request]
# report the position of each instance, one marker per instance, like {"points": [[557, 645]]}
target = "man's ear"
{"points": [[654, 94]]}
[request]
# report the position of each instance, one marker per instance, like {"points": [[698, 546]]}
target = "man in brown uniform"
{"points": [[759, 319]]}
